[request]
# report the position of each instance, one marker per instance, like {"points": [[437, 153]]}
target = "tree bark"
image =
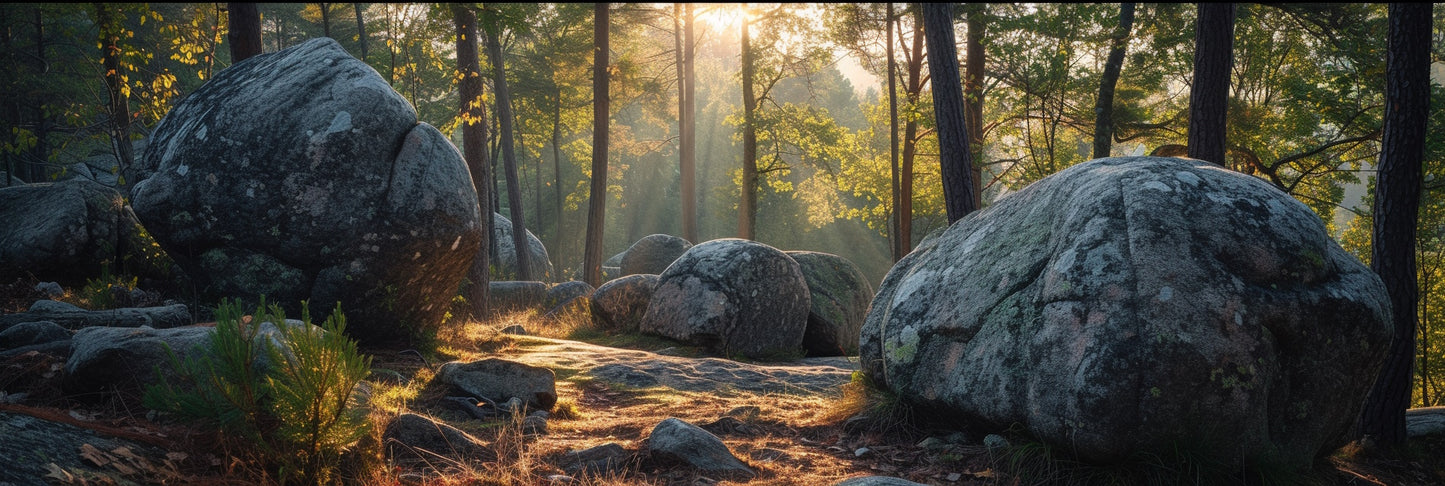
{"points": [[973, 71], [509, 156], [1104, 105], [1209, 93], [119, 107], [910, 137], [474, 150], [1397, 205], [895, 228], [953, 152], [688, 119], [34, 170], [360, 30], [557, 180], [245, 34], [748, 203], [325, 19], [597, 193]]}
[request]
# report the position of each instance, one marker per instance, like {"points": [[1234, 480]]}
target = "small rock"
{"points": [[497, 379], [678, 440], [31, 333], [860, 451], [412, 436], [604, 459], [515, 329], [540, 413], [933, 443], [534, 425], [512, 406], [50, 289], [953, 477], [995, 442]]}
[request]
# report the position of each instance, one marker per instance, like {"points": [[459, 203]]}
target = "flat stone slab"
{"points": [[642, 369]]}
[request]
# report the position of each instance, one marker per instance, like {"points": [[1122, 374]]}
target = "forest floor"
{"points": [[792, 424]]}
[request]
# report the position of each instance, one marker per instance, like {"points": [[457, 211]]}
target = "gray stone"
{"points": [[840, 298], [596, 461], [877, 481], [504, 255], [652, 254], [1126, 304], [1421, 422], [72, 317], [50, 289], [411, 437], [621, 303], [103, 358], [58, 348], [68, 231], [303, 175], [735, 297], [995, 442], [29, 333], [499, 380], [534, 425], [676, 440], [517, 296], [566, 291], [32, 443]]}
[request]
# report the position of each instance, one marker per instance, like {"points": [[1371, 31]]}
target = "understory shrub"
{"points": [[289, 399]]}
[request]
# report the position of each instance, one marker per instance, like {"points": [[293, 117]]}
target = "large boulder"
{"points": [[621, 303], [504, 253], [68, 231], [679, 441], [652, 254], [1134, 304], [840, 297], [411, 438], [301, 174], [737, 297]]}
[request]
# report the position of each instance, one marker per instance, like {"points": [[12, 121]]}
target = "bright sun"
{"points": [[720, 17]]}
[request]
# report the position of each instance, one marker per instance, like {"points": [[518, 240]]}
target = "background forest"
{"points": [[1305, 109]]}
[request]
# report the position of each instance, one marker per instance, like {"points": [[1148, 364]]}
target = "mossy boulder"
{"points": [[1135, 304]]}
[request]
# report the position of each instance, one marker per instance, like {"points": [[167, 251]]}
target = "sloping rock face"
{"points": [[840, 297], [302, 175], [622, 303], [1136, 303], [65, 231], [736, 297], [652, 254], [504, 253]]}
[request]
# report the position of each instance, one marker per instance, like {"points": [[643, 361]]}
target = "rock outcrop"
{"points": [[652, 254], [1129, 304], [840, 297], [68, 231], [736, 297], [301, 174]]}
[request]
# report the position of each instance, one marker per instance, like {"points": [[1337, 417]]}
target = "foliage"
{"points": [[288, 395], [99, 293]]}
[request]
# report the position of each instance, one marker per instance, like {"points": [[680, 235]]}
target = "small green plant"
{"points": [[99, 293], [289, 398]]}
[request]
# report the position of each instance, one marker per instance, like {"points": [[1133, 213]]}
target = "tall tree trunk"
{"points": [[689, 132], [360, 30], [557, 180], [1209, 94], [509, 156], [34, 170], [953, 151], [325, 19], [474, 150], [119, 107], [748, 203], [910, 137], [245, 33], [686, 120], [1104, 105], [597, 193], [1397, 205], [973, 71], [895, 226]]}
